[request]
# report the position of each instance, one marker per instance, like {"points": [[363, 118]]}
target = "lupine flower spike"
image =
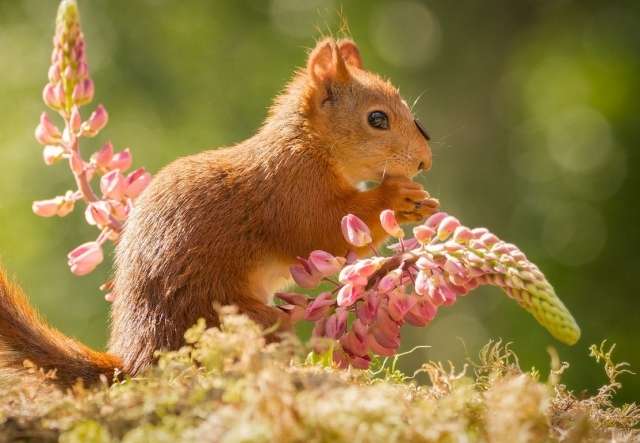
{"points": [[69, 88], [445, 260]]}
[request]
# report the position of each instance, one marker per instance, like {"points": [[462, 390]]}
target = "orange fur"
{"points": [[222, 226]]}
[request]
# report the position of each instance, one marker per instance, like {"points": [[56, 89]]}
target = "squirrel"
{"points": [[223, 226]]}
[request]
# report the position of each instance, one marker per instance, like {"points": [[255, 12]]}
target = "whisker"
{"points": [[415, 102]]}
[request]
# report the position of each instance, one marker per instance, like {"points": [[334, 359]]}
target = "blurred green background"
{"points": [[533, 107]]}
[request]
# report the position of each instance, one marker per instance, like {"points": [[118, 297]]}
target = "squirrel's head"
{"points": [[360, 117]]}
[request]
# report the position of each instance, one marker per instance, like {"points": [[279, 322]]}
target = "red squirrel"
{"points": [[223, 226]]}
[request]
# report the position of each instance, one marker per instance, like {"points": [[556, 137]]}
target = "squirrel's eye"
{"points": [[379, 120]]}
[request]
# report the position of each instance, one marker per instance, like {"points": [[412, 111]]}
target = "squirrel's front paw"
{"points": [[408, 199]]}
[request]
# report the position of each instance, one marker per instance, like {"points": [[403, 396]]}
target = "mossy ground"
{"points": [[228, 386]]}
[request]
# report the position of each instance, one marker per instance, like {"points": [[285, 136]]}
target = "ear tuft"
{"points": [[350, 52], [325, 64]]}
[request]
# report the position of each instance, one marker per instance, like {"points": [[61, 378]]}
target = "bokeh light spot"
{"points": [[579, 139], [573, 233], [296, 18], [406, 33]]}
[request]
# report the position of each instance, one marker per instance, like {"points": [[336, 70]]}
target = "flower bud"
{"points": [[422, 285], [479, 232], [421, 313], [137, 181], [113, 185], [98, 213], [75, 119], [326, 263], [53, 74], [390, 281], [46, 132], [119, 210], [52, 153], [390, 224], [446, 227], [399, 305], [462, 235], [386, 331], [378, 349], [434, 220], [367, 311], [304, 276], [121, 160], [351, 274], [319, 307], [67, 205], [97, 120], [423, 234], [348, 295], [103, 156], [50, 97], [354, 344], [336, 324], [47, 208], [85, 258], [355, 231]]}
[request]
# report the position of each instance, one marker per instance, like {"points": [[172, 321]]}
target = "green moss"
{"points": [[228, 385]]}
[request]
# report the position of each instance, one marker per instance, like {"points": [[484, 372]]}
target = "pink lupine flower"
{"points": [[47, 208], [367, 310], [462, 235], [85, 258], [113, 184], [447, 226], [489, 239], [319, 307], [378, 349], [423, 234], [449, 261], [75, 120], [121, 160], [422, 285], [52, 154], [434, 220], [352, 274], [46, 132], [326, 263], [390, 224], [67, 205], [354, 344], [386, 331], [348, 295], [137, 181], [336, 324], [97, 120], [390, 281], [399, 305], [119, 210], [98, 213], [479, 232], [421, 313], [50, 97], [304, 276], [293, 298], [355, 231], [102, 158]]}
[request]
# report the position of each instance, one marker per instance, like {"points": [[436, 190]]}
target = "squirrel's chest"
{"points": [[268, 277]]}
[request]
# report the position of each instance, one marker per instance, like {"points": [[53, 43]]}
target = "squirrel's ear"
{"points": [[325, 64], [350, 53]]}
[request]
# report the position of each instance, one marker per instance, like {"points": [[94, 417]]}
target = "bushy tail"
{"points": [[24, 336]]}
